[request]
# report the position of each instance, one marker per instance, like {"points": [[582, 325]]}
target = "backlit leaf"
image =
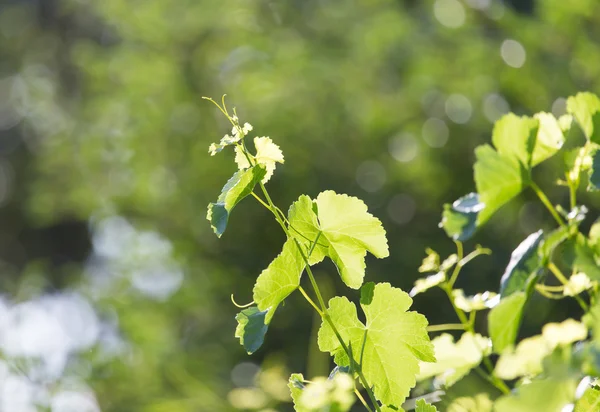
{"points": [[238, 187], [281, 278], [251, 328], [394, 340], [498, 180], [589, 402], [585, 107], [524, 264], [423, 406], [454, 359], [548, 395], [549, 139], [514, 137], [348, 232], [504, 321], [321, 394]]}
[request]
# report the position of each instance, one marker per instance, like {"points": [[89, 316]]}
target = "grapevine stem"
{"points": [[563, 279], [445, 326], [362, 400], [309, 300], [547, 203]]}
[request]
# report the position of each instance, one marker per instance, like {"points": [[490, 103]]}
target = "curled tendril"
{"points": [[241, 306]]}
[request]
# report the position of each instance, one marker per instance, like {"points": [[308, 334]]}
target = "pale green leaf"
{"points": [[498, 180], [431, 263], [471, 394], [394, 340], [251, 328], [585, 107], [564, 333], [279, 280], [548, 395], [423, 406], [424, 284], [454, 359], [550, 242], [589, 402], [321, 394], [581, 256], [504, 321], [578, 282], [525, 360], [238, 187], [479, 301], [549, 139], [524, 266], [304, 227], [514, 137], [459, 220], [348, 231]]}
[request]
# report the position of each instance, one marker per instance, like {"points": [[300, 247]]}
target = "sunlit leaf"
{"points": [[348, 232], [423, 406], [585, 107], [459, 220], [479, 301], [548, 395], [394, 340], [525, 360], [524, 264], [581, 256], [498, 180], [267, 155], [424, 284], [589, 402], [321, 394], [238, 187], [470, 394], [251, 328], [564, 333], [578, 282], [304, 227], [431, 263], [281, 278], [549, 139], [454, 359], [504, 321], [515, 137]]}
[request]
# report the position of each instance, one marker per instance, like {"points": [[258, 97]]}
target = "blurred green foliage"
{"points": [[104, 165]]}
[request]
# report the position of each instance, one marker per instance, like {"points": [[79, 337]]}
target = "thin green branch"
{"points": [[362, 400], [309, 300], [445, 326], [546, 203], [563, 279]]}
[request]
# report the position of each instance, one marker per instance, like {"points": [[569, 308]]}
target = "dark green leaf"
{"points": [[594, 172], [524, 266], [459, 220], [238, 187], [504, 321], [251, 328]]}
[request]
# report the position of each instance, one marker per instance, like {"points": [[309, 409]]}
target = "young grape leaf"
{"points": [[585, 107], [515, 137], [550, 242], [549, 140], [498, 179], [321, 394], [459, 220], [424, 284], [238, 187], [525, 360], [304, 227], [471, 394], [548, 395], [589, 402], [251, 328], [279, 279], [348, 231], [524, 266], [388, 347], [578, 282], [454, 360], [594, 172], [581, 256], [504, 321], [423, 406]]}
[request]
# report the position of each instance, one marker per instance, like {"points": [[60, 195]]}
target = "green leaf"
{"points": [[515, 137], [524, 266], [279, 280], [581, 256], [321, 394], [431, 263], [238, 187], [424, 284], [549, 140], [388, 348], [549, 395], [348, 231], [459, 220], [470, 394], [550, 242], [498, 180], [585, 107], [525, 360], [454, 360], [423, 406], [504, 321], [594, 172], [251, 328], [304, 227], [589, 402]]}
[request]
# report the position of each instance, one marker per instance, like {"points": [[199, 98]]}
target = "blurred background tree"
{"points": [[114, 291]]}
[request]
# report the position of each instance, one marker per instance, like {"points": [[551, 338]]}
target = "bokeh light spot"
{"points": [[458, 108], [513, 53], [450, 13], [435, 132], [404, 147], [371, 176], [401, 208]]}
